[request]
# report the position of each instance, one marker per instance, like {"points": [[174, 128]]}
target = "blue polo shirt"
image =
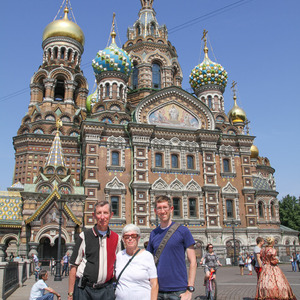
{"points": [[171, 268]]}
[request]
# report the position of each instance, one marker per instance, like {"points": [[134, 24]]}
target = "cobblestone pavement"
{"points": [[231, 286]]}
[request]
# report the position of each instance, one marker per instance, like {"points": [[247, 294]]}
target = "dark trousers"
{"points": [[65, 269], [88, 293], [170, 295]]}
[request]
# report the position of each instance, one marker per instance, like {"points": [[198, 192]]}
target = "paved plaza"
{"points": [[231, 286]]}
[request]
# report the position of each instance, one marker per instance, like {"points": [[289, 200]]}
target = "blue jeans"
{"points": [[294, 266], [48, 296], [170, 295]]}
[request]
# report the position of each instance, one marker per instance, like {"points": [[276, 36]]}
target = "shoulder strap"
{"points": [[127, 265], [164, 241]]}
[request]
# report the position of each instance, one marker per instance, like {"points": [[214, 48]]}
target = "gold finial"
{"points": [[205, 42], [113, 33], [66, 10], [234, 89], [58, 124]]}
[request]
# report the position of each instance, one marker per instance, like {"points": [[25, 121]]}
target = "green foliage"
{"points": [[289, 211]]}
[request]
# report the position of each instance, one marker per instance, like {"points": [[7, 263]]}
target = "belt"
{"points": [[99, 285]]}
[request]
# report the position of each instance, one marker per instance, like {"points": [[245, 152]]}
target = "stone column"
{"points": [[70, 86], [2, 269], [2, 253], [20, 271], [49, 84]]}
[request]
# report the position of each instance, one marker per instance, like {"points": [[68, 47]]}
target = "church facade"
{"points": [[137, 136]]}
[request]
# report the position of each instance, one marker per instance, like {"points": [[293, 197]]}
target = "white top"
{"points": [[256, 251], [134, 282], [37, 289]]}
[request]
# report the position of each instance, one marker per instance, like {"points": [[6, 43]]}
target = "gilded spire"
{"points": [[204, 38], [113, 33], [147, 4], [55, 157], [236, 114]]}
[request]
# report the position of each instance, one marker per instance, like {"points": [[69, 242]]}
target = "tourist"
{"points": [[93, 259], [39, 288], [37, 270], [35, 259], [298, 260], [173, 281], [258, 264], [211, 260], [248, 263], [137, 279], [272, 283], [241, 260], [65, 265], [294, 262]]}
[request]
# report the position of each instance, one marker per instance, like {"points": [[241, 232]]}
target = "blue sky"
{"points": [[257, 42]]}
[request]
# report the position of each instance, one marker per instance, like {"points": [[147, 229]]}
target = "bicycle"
{"points": [[211, 285]]}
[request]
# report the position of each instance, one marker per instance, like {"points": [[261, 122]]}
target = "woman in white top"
{"points": [[139, 279]]}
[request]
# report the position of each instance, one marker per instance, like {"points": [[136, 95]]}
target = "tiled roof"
{"points": [[10, 207], [261, 183], [55, 157]]}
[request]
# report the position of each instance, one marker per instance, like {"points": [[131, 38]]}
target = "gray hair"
{"points": [[131, 227]]}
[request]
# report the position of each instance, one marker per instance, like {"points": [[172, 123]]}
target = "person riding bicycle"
{"points": [[211, 261]]}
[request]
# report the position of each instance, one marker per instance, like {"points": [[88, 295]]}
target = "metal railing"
{"points": [[11, 278], [24, 272]]}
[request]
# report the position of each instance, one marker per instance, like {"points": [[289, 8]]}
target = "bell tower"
{"points": [[58, 91]]}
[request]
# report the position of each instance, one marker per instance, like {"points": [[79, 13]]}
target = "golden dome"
{"points": [[254, 151], [64, 27], [237, 114]]}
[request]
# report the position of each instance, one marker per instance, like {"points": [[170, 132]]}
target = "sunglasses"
{"points": [[133, 236], [210, 247]]}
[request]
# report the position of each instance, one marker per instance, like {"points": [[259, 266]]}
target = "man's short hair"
{"points": [[101, 204], [163, 198], [42, 274], [259, 240]]}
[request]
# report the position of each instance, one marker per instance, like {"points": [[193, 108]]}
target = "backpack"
{"points": [[253, 262]]}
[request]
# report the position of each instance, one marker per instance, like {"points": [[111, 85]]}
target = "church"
{"points": [[136, 136]]}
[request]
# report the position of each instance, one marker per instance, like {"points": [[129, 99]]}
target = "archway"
{"points": [[10, 247], [230, 249], [46, 250]]}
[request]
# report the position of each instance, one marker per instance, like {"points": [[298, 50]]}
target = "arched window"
{"points": [[135, 75], [62, 53], [59, 92], [192, 207], [260, 209], [176, 205], [226, 167], [121, 92], [115, 158], [107, 89], [272, 210], [229, 208], [174, 161], [152, 29], [115, 205], [138, 29], [209, 101], [158, 160], [156, 78], [190, 162]]}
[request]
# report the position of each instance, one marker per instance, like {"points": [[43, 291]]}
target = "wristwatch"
{"points": [[70, 294], [190, 289]]}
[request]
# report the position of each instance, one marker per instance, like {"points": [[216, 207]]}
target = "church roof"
{"points": [[261, 183], [10, 209], [55, 157]]}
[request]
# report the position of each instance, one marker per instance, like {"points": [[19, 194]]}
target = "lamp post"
{"points": [[233, 236], [57, 276]]}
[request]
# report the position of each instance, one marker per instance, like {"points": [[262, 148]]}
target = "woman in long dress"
{"points": [[272, 283]]}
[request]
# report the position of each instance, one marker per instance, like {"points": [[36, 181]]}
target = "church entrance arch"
{"points": [[48, 250], [230, 249]]}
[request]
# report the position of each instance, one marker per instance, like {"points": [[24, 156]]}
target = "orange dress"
{"points": [[272, 283]]}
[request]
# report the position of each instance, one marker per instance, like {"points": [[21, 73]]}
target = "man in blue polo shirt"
{"points": [[174, 282]]}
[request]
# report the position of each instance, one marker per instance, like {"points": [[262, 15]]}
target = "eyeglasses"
{"points": [[133, 236], [210, 247]]}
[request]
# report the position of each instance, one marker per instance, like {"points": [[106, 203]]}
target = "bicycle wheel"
{"points": [[213, 293]]}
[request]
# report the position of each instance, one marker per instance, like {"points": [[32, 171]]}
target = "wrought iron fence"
{"points": [[24, 272], [11, 277]]}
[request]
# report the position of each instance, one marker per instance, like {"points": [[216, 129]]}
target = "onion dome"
{"points": [[254, 151], [237, 114], [90, 101], [64, 27], [112, 58], [208, 72]]}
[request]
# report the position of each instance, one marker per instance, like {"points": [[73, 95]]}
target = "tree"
{"points": [[289, 211]]}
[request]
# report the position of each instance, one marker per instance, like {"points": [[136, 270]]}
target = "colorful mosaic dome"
{"points": [[10, 206], [208, 73], [112, 58]]}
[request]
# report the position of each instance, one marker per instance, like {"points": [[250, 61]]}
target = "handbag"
{"points": [[116, 283]]}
